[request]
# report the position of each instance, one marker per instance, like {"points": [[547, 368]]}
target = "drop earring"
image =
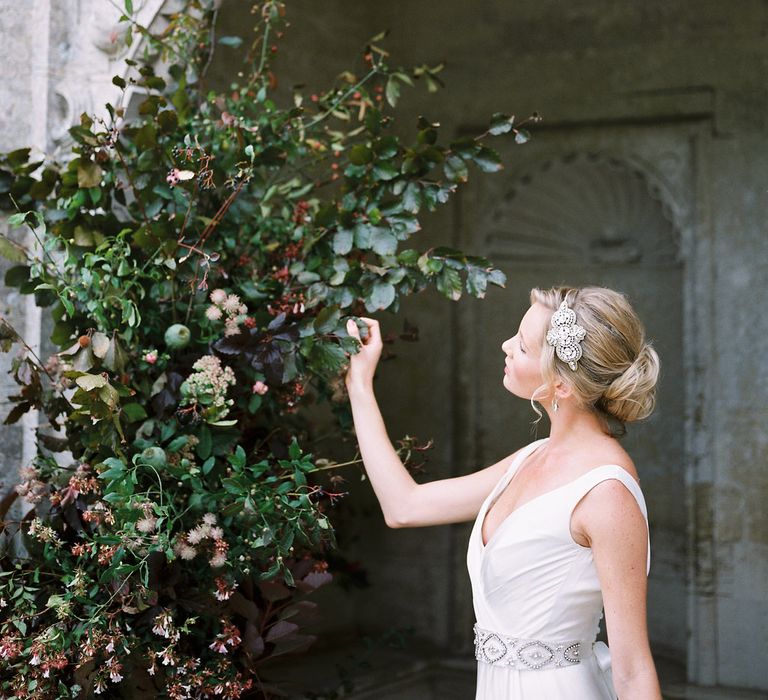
{"points": [[554, 405]]}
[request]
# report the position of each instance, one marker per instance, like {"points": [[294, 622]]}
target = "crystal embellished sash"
{"points": [[527, 654]]}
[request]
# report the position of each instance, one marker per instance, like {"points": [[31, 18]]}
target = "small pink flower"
{"points": [[231, 327], [224, 590], [213, 313], [260, 388], [218, 296], [232, 304], [146, 525], [218, 560], [150, 357], [219, 645]]}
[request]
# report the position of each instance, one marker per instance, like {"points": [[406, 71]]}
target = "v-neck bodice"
{"points": [[532, 580]]}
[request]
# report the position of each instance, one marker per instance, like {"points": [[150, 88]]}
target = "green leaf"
{"points": [[385, 171], [488, 160], [360, 155], [17, 219], [327, 320], [449, 283], [117, 80], [428, 265], [204, 446], [237, 459], [254, 403], [88, 174], [134, 411], [363, 235], [233, 41], [412, 198], [522, 136], [497, 277], [129, 7], [294, 451], [342, 241], [381, 297], [500, 124], [392, 91], [234, 486], [327, 358], [89, 382], [403, 225], [477, 281], [112, 474], [455, 169], [383, 241], [387, 147], [408, 257], [177, 443]]}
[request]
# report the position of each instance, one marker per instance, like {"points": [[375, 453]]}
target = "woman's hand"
{"points": [[363, 364]]}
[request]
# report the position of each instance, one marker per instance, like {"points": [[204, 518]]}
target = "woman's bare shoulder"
{"points": [[610, 451]]}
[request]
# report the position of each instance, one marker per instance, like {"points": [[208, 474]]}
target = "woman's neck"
{"points": [[570, 426]]}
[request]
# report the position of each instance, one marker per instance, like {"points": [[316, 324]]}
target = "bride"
{"points": [[560, 526]]}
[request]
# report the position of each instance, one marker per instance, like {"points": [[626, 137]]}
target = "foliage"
{"points": [[200, 261]]}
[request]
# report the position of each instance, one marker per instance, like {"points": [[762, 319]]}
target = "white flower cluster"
{"points": [[229, 304], [187, 546], [31, 487], [43, 533], [207, 386]]}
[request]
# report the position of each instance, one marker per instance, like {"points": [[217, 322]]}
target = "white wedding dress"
{"points": [[533, 581]]}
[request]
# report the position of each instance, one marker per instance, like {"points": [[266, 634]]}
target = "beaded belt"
{"points": [[527, 654]]}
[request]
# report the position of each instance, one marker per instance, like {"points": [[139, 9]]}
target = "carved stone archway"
{"points": [[584, 209]]}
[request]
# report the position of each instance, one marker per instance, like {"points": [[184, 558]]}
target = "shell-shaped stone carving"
{"points": [[583, 209]]}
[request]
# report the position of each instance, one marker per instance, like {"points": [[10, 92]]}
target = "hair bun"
{"points": [[632, 395]]}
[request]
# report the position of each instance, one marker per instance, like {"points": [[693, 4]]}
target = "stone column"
{"points": [[24, 54]]}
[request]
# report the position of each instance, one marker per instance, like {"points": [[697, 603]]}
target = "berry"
{"points": [[154, 456], [177, 336]]}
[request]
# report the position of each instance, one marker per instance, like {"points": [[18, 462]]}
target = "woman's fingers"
{"points": [[374, 331], [352, 329]]}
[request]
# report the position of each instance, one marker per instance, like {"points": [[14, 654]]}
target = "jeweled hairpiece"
{"points": [[566, 335]]}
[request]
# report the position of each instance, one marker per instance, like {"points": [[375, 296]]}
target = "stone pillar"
{"points": [[24, 54]]}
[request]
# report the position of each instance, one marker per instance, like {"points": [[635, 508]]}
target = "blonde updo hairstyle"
{"points": [[618, 371]]}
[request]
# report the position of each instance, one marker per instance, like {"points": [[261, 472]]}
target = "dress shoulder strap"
{"points": [[513, 467], [592, 478]]}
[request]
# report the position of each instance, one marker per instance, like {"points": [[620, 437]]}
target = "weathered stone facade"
{"points": [[647, 174]]}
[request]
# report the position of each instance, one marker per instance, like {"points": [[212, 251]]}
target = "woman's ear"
{"points": [[563, 389]]}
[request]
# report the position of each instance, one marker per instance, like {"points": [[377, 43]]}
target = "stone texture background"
{"points": [[673, 92]]}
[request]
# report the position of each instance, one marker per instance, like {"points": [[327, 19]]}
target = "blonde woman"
{"points": [[560, 526]]}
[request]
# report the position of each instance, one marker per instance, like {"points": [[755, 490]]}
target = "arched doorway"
{"points": [[580, 209]]}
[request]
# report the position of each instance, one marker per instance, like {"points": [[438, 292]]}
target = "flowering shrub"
{"points": [[200, 262]]}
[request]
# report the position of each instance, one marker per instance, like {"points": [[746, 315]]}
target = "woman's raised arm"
{"points": [[404, 502]]}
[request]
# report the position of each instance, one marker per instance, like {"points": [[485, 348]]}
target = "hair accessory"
{"points": [[566, 335]]}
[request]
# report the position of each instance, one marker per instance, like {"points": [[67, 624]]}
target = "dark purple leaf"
{"points": [[282, 628], [272, 590]]}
